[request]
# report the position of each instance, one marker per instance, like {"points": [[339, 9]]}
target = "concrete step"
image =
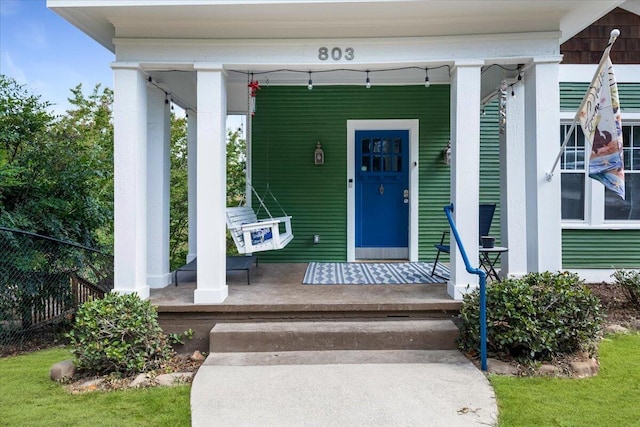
{"points": [[335, 357], [428, 334]]}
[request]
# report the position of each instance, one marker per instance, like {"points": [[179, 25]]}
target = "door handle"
{"points": [[381, 189]]}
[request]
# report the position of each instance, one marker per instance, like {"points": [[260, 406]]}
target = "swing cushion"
{"points": [[253, 235], [259, 236]]}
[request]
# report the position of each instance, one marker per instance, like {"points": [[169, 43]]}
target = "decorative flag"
{"points": [[601, 123]]}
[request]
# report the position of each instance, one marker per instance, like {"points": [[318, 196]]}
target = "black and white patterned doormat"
{"points": [[365, 273]]}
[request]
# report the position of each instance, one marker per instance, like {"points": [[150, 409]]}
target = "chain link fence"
{"points": [[42, 282]]}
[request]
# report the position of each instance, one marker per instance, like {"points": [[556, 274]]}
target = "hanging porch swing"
{"points": [[249, 233]]}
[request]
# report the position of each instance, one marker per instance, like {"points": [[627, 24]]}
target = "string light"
{"points": [[310, 85], [426, 78], [368, 82]]}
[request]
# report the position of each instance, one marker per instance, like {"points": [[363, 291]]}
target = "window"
{"points": [[585, 200], [629, 209], [572, 164]]}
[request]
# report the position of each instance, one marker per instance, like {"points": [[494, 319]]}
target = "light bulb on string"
{"points": [[310, 85], [368, 82], [426, 78]]}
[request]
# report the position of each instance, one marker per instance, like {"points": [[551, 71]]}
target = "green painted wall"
{"points": [[571, 95], [290, 120], [288, 123], [600, 248]]}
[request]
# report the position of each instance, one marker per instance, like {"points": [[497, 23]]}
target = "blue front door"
{"points": [[382, 194]]}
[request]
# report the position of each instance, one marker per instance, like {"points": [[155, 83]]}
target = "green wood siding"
{"points": [[571, 95], [290, 120], [600, 248], [288, 123]]}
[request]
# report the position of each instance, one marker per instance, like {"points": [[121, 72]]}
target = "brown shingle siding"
{"points": [[586, 47]]}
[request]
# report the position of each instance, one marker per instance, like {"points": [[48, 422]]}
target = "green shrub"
{"points": [[118, 334], [629, 281], [536, 317]]}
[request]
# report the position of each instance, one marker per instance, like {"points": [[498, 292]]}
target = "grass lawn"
{"points": [[612, 398], [28, 397]]}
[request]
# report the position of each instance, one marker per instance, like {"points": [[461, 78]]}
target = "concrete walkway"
{"points": [[342, 388]]}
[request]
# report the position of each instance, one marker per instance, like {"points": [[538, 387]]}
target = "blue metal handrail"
{"points": [[483, 288]]}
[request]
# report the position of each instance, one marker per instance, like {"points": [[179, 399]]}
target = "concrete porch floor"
{"points": [[281, 284]]}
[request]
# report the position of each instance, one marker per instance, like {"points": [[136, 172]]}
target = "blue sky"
{"points": [[48, 55]]}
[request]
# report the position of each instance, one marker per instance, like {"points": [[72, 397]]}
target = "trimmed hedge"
{"points": [[536, 317], [118, 334]]}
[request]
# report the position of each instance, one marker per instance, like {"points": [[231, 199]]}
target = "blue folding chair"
{"points": [[485, 217]]}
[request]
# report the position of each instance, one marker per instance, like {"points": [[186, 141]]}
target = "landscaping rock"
{"points": [[615, 329], [176, 378], [548, 370], [197, 356], [141, 380], [495, 366], [62, 371], [586, 368]]}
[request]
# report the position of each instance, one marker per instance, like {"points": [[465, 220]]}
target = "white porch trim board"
{"points": [[465, 172], [192, 185], [412, 125], [158, 170], [542, 121], [513, 200], [130, 180], [212, 183]]}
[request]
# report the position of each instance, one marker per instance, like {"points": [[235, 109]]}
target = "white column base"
{"points": [[159, 281], [142, 292], [458, 291], [210, 296], [191, 257]]}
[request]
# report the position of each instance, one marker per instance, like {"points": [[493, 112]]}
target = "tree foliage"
{"points": [[178, 211], [54, 172]]}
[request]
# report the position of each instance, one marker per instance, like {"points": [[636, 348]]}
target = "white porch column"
{"points": [[465, 171], [513, 218], [542, 121], [158, 169], [130, 180], [212, 184], [192, 183]]}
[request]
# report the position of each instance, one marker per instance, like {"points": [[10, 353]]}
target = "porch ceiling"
{"points": [[259, 19]]}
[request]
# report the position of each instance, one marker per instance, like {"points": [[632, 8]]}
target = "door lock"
{"points": [[381, 189]]}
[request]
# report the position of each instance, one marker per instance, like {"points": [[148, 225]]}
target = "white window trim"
{"points": [[594, 191]]}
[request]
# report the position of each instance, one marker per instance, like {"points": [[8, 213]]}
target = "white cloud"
{"points": [[11, 69]]}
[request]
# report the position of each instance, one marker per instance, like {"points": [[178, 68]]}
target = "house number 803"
{"points": [[335, 54]]}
